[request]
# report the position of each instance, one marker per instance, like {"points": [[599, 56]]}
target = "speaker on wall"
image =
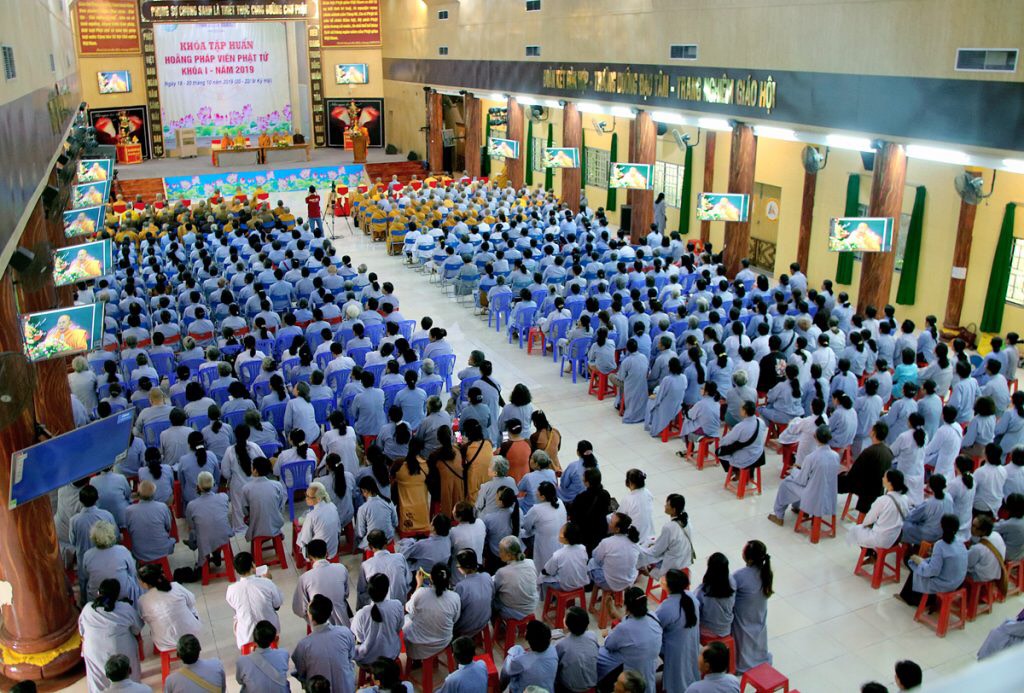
{"points": [[626, 218], [868, 159]]}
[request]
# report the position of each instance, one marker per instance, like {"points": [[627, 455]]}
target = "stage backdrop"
{"points": [[222, 79], [253, 182]]}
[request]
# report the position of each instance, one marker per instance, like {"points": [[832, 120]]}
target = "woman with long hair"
{"points": [[377, 627], [341, 486], [673, 549], [546, 437], [194, 462], [411, 489], [881, 527], [571, 483], [750, 614], [477, 453], [680, 644], [943, 571], [167, 608], [447, 460], [108, 626], [236, 472], [908, 457], [717, 598], [431, 614], [543, 522]]}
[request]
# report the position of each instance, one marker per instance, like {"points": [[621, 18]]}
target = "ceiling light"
{"points": [[857, 144], [622, 112], [552, 103], [667, 117], [943, 156], [774, 133], [1014, 165], [720, 124], [496, 97], [587, 107], [526, 100]]}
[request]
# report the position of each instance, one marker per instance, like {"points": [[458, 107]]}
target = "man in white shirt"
{"points": [[253, 598], [989, 480]]}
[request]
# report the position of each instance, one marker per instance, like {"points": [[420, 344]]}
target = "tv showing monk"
{"points": [[79, 263], [54, 333]]}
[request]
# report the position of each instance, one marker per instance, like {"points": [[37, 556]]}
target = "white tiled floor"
{"points": [[829, 631]]}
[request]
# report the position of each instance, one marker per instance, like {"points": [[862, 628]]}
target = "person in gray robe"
{"points": [[187, 679], [1007, 634], [435, 420], [68, 506], [264, 670], [208, 519], [680, 623], [321, 522], [149, 523], [631, 379], [107, 559], [81, 524], [383, 561], [327, 651], [743, 445], [750, 610], [714, 666], [376, 513], [634, 644], [377, 626], [812, 489], [108, 627], [323, 577], [115, 493], [118, 670], [663, 409], [263, 501]]}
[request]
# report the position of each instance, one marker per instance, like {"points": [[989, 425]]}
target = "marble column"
{"points": [[961, 261], [742, 159], [645, 152], [709, 177], [572, 136], [515, 168], [803, 247], [887, 185]]}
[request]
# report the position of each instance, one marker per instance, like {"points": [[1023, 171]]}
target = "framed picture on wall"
{"points": [[369, 113], [352, 73], [114, 82], [106, 120]]}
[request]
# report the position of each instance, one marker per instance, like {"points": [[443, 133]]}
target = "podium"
{"points": [[359, 149], [129, 153]]}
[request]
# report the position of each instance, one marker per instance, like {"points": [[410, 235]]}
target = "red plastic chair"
{"points": [[883, 571], [981, 596], [674, 429], [816, 525], [256, 548], [764, 678], [599, 385], [228, 557], [703, 450], [947, 600], [597, 596], [560, 601], [743, 481], [513, 627]]}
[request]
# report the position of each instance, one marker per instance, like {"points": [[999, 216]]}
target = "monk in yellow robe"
{"points": [[265, 140], [67, 335], [239, 140], [86, 264]]}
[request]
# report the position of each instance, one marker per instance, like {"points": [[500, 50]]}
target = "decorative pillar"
{"points": [[961, 261], [645, 152], [514, 168], [742, 158], [40, 620], [572, 136], [803, 247], [887, 183], [474, 135], [709, 178], [435, 123]]}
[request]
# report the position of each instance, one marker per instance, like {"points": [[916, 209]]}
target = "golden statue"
{"points": [[124, 128]]}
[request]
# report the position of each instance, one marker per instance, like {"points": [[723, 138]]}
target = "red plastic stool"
{"points": [[256, 548], [602, 619], [174, 530], [743, 481], [1015, 571], [165, 663], [703, 449], [728, 642], [946, 601], [428, 667], [368, 553], [349, 531], [846, 510], [845, 457], [674, 429], [163, 563], [250, 647], [179, 507], [560, 600], [883, 572], [816, 524], [300, 560], [513, 626], [980, 597], [534, 334], [764, 678], [492, 672], [788, 452], [229, 566], [484, 635], [599, 385]]}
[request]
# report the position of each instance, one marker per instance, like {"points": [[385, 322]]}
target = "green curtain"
{"points": [[999, 279], [529, 152], [685, 198], [583, 161], [549, 173], [485, 161], [610, 205], [844, 267], [906, 294]]}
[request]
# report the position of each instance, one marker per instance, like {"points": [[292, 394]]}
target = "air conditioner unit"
{"points": [[186, 141]]}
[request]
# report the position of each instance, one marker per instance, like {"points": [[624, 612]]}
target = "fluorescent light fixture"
{"points": [[857, 144], [496, 97], [943, 156], [720, 124], [622, 112], [668, 117], [526, 100], [552, 103], [1014, 165], [775, 133], [587, 107]]}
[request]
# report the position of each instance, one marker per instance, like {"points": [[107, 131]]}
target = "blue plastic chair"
{"points": [[375, 333], [499, 306], [274, 413], [433, 389], [198, 422], [296, 476], [465, 386], [337, 380], [322, 409], [575, 353], [323, 358], [558, 329], [418, 345], [260, 389], [522, 324], [406, 327], [412, 366], [248, 371], [390, 392], [444, 365], [358, 354], [163, 363], [151, 432], [234, 418], [377, 369], [220, 395], [270, 449]]}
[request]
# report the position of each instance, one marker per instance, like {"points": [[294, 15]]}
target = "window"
{"points": [[598, 167], [533, 51], [539, 144], [668, 179], [442, 50], [10, 72], [533, 5], [442, 14], [682, 51], [1015, 290], [986, 60]]}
